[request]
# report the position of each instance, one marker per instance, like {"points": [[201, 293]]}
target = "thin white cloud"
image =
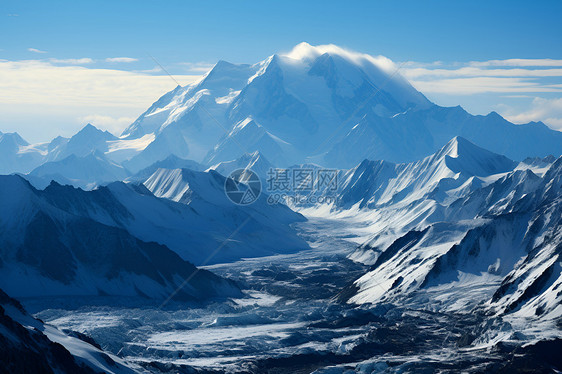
{"points": [[72, 61], [34, 81], [417, 64], [512, 76], [121, 59], [478, 85], [519, 83], [417, 72], [545, 62], [35, 50]]}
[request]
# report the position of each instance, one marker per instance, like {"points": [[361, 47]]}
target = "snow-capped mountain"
{"points": [[539, 165], [170, 162], [193, 218], [456, 168], [81, 171], [86, 141], [261, 229], [464, 226], [413, 134], [284, 107], [326, 105], [30, 346], [55, 243], [17, 155]]}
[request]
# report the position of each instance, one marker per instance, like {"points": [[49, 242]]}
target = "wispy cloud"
{"points": [[121, 59], [35, 50], [507, 76], [480, 85], [519, 62], [417, 64], [72, 61], [35, 81], [413, 73], [156, 69], [66, 96]]}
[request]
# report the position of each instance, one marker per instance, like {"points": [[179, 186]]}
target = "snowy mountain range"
{"points": [[62, 241], [464, 225], [123, 240], [315, 104]]}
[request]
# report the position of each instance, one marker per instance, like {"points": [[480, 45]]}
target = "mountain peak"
{"points": [[460, 155], [459, 146], [92, 131], [13, 138], [89, 127], [223, 63]]}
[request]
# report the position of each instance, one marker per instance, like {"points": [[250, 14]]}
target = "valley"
{"points": [[293, 318]]}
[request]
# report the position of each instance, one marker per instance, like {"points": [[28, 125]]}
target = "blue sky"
{"points": [[60, 56]]}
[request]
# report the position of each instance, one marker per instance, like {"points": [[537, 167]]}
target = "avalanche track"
{"points": [[293, 320]]}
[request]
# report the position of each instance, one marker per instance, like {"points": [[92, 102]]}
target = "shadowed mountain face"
{"points": [[53, 247], [105, 241]]}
